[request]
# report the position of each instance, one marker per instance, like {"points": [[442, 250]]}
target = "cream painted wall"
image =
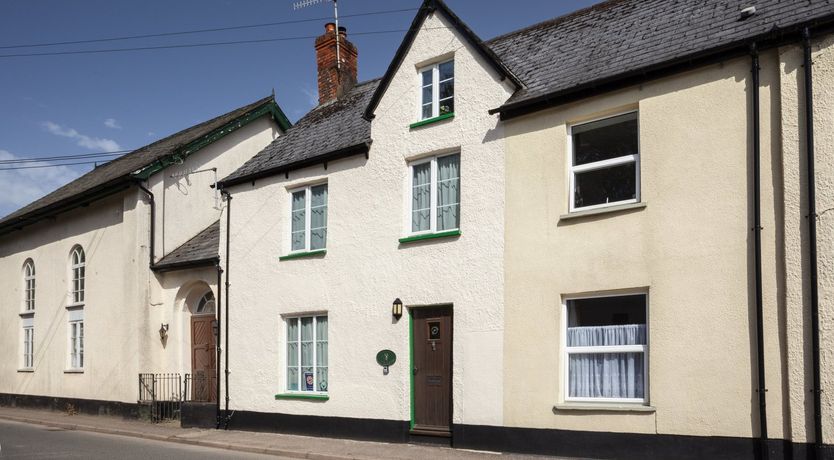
{"points": [[795, 228], [690, 248], [365, 267], [110, 314]]}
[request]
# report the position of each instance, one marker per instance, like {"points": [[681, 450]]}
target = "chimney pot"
{"points": [[330, 27]]}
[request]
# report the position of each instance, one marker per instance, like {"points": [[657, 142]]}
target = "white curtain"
{"points": [[606, 375], [299, 206], [448, 192], [321, 353], [292, 354]]}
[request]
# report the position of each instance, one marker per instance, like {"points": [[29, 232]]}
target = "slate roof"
{"points": [[330, 130], [117, 173], [202, 249], [619, 37]]}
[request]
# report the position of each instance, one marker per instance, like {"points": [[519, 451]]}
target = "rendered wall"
{"points": [[690, 248], [365, 267], [795, 228]]}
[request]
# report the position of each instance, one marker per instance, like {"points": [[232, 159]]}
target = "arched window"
{"points": [[29, 285], [77, 268], [206, 304]]}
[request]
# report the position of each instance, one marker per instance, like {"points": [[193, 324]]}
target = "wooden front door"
{"points": [[203, 359], [432, 371]]}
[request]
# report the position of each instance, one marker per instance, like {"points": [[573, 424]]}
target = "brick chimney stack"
{"points": [[334, 82]]}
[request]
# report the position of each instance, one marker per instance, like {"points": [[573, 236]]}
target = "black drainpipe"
{"points": [[812, 239], [219, 337], [757, 231], [153, 222], [228, 234]]}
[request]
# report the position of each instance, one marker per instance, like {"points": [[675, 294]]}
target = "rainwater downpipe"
{"points": [[757, 232], [152, 238], [228, 234], [219, 337], [812, 239]]}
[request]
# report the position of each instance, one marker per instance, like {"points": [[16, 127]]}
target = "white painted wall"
{"points": [[365, 267]]}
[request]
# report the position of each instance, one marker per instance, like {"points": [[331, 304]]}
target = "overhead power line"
{"points": [[79, 156], [192, 45], [12, 168], [199, 31]]}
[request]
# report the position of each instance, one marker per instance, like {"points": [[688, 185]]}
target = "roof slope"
{"points": [[199, 250], [622, 36], [324, 133], [119, 171]]}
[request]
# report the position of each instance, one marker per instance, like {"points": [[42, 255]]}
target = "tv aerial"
{"points": [[301, 4]]}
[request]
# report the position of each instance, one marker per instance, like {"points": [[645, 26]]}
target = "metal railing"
{"points": [[165, 393], [201, 387]]}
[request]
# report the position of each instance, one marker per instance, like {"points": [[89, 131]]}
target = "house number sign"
{"points": [[386, 358]]}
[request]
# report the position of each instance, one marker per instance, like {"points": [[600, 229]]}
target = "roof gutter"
{"points": [[740, 48], [363, 148], [162, 268]]}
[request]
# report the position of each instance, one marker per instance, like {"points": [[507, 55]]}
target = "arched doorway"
{"points": [[203, 349]]}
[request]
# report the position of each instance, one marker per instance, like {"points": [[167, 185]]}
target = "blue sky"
{"points": [[76, 104]]}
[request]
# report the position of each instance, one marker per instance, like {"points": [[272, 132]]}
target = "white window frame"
{"points": [[315, 366], [28, 356], [29, 286], [77, 297], [433, 190], [308, 206], [75, 336], [574, 170], [435, 94], [567, 351]]}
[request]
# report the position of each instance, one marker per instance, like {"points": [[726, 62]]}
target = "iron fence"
{"points": [[200, 387], [165, 393]]}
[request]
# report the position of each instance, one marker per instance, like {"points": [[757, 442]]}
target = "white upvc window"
{"points": [[604, 162], [28, 361], [308, 218], [606, 349], [437, 90], [78, 267], [307, 361], [435, 194], [29, 286], [76, 340]]}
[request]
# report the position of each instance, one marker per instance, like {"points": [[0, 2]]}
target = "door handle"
{"points": [[414, 371]]}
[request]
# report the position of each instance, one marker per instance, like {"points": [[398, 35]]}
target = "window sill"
{"points": [[299, 255], [430, 236], [75, 305], [604, 210], [26, 370], [73, 371], [313, 397], [603, 407], [429, 121], [27, 314]]}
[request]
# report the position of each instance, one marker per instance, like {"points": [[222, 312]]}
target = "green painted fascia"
{"points": [[181, 153], [429, 236], [428, 121], [298, 255], [411, 362], [315, 397]]}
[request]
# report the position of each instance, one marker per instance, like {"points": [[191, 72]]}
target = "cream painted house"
{"points": [[98, 271]]}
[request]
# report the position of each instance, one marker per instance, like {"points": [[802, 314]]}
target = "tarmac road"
{"points": [[24, 441]]}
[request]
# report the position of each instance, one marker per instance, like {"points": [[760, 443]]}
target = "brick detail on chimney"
{"points": [[335, 82]]}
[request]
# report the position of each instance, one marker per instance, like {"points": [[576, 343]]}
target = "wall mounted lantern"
{"points": [[163, 332], [397, 308]]}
